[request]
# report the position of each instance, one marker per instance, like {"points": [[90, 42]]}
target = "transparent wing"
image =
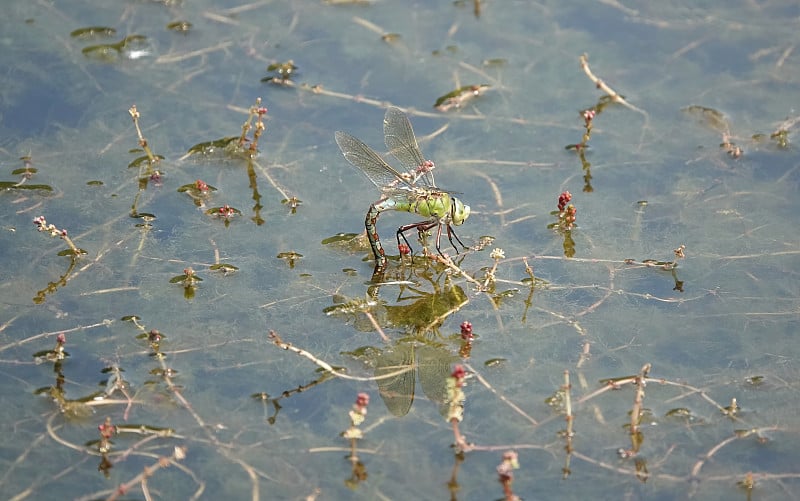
{"points": [[370, 163], [397, 392], [402, 144]]}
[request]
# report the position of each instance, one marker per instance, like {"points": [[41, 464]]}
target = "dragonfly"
{"points": [[413, 190]]}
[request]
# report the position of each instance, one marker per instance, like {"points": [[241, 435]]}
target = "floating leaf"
{"points": [[709, 117], [285, 68], [209, 147], [459, 97], [680, 412], [339, 237], [290, 257], [192, 188], [75, 409], [13, 185], [781, 137], [144, 215], [132, 40], [496, 62], [283, 73], [93, 32], [105, 52], [182, 278], [494, 362], [225, 211], [293, 203], [70, 252], [139, 161], [50, 355], [133, 47], [450, 49], [390, 37], [180, 26], [24, 170], [223, 267], [94, 182]]}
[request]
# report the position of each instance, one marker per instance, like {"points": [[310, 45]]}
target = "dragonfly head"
{"points": [[459, 212]]}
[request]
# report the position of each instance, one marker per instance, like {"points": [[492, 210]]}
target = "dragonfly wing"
{"points": [[370, 163], [402, 143], [397, 391]]}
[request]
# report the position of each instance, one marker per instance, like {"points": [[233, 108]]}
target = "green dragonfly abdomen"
{"points": [[433, 205]]}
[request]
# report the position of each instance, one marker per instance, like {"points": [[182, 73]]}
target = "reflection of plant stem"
{"points": [[529, 299], [275, 402], [636, 412], [569, 244], [567, 388], [134, 208], [271, 180], [452, 484], [251, 175], [53, 286]]}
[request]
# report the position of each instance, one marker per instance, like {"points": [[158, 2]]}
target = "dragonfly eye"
{"points": [[459, 212]]}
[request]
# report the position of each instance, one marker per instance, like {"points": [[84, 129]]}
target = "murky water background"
{"points": [[257, 421]]}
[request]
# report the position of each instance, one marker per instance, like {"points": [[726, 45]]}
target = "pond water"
{"points": [[645, 351]]}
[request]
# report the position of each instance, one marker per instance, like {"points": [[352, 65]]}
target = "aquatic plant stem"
{"points": [[142, 141]]}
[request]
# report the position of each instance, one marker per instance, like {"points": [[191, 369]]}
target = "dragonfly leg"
{"points": [[420, 227], [439, 240], [370, 223], [452, 233], [401, 234]]}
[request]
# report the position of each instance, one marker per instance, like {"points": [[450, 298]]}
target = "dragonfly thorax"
{"points": [[458, 211], [437, 205]]}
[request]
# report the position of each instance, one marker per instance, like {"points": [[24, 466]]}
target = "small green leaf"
{"points": [[459, 97], [210, 147], [24, 170], [180, 26], [93, 32]]}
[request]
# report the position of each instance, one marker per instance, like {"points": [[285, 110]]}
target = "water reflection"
{"points": [[420, 309]]}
